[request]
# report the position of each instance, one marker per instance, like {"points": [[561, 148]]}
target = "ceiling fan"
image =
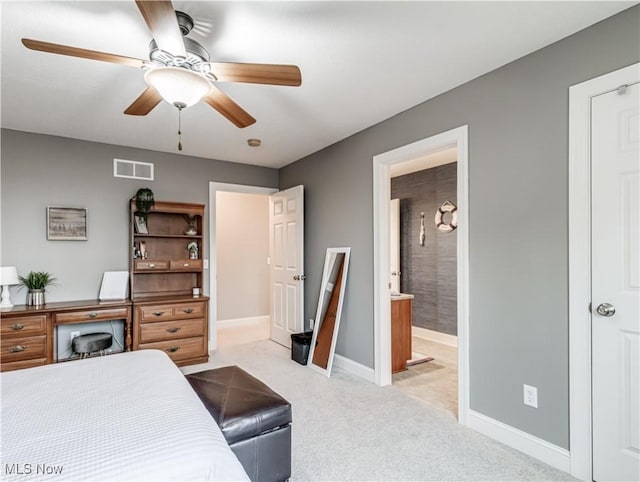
{"points": [[179, 70]]}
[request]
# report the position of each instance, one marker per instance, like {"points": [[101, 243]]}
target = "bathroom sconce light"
{"points": [[422, 233]]}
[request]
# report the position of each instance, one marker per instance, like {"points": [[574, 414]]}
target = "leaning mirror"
{"points": [[325, 333]]}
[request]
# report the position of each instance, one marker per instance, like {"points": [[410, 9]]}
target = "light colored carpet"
{"points": [[347, 429]]}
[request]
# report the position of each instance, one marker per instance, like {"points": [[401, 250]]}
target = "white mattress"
{"points": [[131, 416]]}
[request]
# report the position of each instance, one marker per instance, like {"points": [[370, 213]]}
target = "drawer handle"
{"points": [[173, 330], [173, 349], [152, 265], [158, 313], [17, 326], [18, 348], [185, 265], [93, 314], [188, 310]]}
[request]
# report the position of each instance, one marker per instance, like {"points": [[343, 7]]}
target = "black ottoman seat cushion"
{"points": [[91, 342], [255, 420]]}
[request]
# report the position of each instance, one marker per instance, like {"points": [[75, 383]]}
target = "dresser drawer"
{"points": [[181, 349], [17, 349], [170, 330], [186, 264], [18, 365], [91, 315], [190, 310], [24, 325], [151, 265], [156, 313]]}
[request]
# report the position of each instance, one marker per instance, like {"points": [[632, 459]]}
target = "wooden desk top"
{"points": [[65, 306]]}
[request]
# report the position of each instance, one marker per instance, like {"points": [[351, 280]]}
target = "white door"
{"points": [[286, 247], [615, 211], [394, 245]]}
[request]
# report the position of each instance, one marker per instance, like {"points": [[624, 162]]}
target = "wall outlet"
{"points": [[530, 396], [311, 323], [73, 335], [205, 264]]}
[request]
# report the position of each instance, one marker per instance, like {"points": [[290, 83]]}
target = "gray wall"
{"points": [[518, 144], [39, 171], [428, 272]]}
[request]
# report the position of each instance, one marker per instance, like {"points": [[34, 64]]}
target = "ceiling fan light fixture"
{"points": [[178, 86]]}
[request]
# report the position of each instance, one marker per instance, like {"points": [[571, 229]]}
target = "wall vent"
{"points": [[133, 169]]}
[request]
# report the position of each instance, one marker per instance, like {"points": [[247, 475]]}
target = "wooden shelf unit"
{"points": [[166, 315], [167, 268]]}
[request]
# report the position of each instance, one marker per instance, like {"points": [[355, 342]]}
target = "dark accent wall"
{"points": [[518, 118], [428, 272]]}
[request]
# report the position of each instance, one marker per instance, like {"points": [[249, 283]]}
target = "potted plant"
{"points": [[144, 202], [36, 282]]}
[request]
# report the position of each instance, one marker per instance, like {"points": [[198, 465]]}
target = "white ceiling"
{"points": [[438, 158], [361, 62]]}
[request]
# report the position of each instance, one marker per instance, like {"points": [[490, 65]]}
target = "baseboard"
{"points": [[529, 444], [347, 365], [444, 338], [252, 320]]}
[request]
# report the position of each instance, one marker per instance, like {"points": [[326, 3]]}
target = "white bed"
{"points": [[131, 416]]}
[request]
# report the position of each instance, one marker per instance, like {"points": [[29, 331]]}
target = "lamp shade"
{"points": [[178, 86], [9, 276]]}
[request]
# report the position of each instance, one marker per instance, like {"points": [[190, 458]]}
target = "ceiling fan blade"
{"points": [[82, 53], [145, 102], [163, 24], [228, 108], [271, 74]]}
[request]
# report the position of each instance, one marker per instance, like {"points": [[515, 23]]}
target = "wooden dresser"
{"points": [[28, 332], [166, 314], [178, 326]]}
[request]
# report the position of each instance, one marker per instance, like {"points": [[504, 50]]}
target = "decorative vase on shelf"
{"points": [[191, 230]]}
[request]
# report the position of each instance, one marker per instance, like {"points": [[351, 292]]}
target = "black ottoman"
{"points": [[254, 419]]}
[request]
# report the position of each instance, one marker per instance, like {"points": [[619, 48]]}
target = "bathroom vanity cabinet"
{"points": [[400, 332]]}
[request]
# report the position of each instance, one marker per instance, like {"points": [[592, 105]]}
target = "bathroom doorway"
{"points": [[423, 255], [382, 164]]}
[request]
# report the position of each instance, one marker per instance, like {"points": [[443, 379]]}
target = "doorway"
{"points": [[382, 163], [604, 276], [240, 315], [423, 279]]}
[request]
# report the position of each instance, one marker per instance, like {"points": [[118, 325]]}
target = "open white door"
{"points": [[615, 225], [286, 247]]}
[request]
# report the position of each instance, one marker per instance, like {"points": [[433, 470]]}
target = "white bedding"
{"points": [[131, 416]]}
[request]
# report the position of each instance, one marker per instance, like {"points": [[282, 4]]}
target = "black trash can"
{"points": [[300, 346]]}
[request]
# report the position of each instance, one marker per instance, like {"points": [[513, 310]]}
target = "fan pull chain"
{"points": [[179, 128]]}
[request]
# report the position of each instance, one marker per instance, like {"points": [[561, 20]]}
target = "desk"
{"points": [[28, 331]]}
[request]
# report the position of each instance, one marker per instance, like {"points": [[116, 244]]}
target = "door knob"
{"points": [[605, 309], [395, 273], [299, 277]]}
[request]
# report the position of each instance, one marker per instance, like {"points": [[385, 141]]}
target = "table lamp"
{"points": [[8, 277]]}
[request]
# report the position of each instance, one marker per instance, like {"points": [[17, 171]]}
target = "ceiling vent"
{"points": [[133, 169]]}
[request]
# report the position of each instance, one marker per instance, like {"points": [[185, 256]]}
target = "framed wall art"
{"points": [[66, 224]]}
